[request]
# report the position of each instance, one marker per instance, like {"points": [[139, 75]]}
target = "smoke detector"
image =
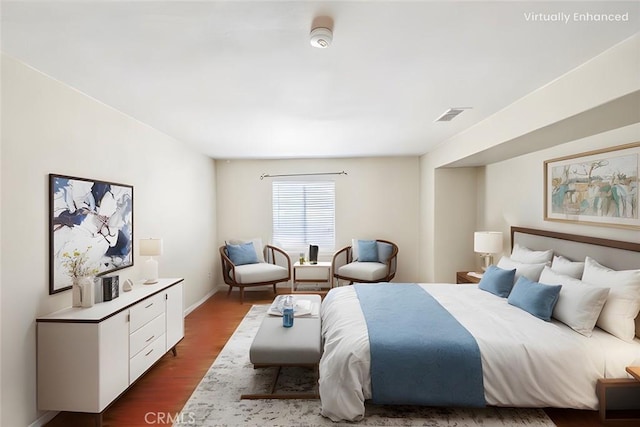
{"points": [[321, 37]]}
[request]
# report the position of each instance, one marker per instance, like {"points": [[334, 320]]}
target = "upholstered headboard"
{"points": [[614, 254]]}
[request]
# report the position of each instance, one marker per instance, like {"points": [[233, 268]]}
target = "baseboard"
{"points": [[44, 419], [202, 300]]}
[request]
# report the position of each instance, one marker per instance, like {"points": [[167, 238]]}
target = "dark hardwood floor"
{"points": [[158, 396]]}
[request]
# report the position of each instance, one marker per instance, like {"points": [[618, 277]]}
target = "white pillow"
{"points": [[527, 256], [623, 303], [354, 249], [579, 305], [530, 271], [257, 244], [562, 265]]}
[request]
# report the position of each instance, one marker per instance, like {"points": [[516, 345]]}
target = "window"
{"points": [[304, 214]]}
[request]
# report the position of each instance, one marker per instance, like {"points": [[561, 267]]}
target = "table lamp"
{"points": [[487, 243], [150, 248]]}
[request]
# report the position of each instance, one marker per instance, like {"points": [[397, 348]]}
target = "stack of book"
{"points": [[301, 307]]}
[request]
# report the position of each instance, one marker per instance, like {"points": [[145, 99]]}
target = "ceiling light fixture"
{"points": [[321, 37]]}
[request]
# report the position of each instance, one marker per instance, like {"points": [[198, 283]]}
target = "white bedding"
{"points": [[526, 362]]}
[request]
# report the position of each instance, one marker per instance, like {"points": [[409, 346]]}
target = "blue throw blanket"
{"points": [[420, 354]]}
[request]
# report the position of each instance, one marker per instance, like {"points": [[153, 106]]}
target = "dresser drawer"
{"points": [[145, 311], [143, 360], [146, 334]]}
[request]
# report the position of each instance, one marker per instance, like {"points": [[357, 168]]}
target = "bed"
{"points": [[525, 361]]}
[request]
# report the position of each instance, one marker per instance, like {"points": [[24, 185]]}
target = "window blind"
{"points": [[304, 214]]}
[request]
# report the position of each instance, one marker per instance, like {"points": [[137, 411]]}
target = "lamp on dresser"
{"points": [[487, 243], [150, 248]]}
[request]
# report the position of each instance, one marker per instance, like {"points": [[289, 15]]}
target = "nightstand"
{"points": [[311, 273], [462, 277], [619, 398], [634, 371]]}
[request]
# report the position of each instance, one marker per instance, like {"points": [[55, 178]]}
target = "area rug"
{"points": [[216, 400]]}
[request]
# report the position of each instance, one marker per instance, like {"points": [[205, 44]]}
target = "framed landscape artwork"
{"points": [[89, 217], [598, 187]]}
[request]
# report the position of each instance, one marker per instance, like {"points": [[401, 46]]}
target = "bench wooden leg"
{"points": [[274, 385]]}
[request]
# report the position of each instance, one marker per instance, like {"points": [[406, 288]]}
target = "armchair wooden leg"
{"points": [[241, 294], [274, 289]]}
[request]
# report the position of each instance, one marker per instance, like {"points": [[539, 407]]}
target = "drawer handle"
{"points": [[149, 305], [150, 338], [150, 351]]}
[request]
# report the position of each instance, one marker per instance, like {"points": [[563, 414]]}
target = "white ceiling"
{"points": [[238, 79]]}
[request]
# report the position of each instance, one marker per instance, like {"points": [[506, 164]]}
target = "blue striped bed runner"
{"points": [[420, 354]]}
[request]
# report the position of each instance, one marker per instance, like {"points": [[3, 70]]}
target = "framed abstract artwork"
{"points": [[598, 187], [93, 219]]}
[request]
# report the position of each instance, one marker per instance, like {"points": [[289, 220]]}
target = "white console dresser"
{"points": [[87, 357]]}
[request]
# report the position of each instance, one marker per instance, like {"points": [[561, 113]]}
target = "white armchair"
{"points": [[366, 261], [243, 268]]}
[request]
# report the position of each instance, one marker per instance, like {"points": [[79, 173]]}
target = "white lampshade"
{"points": [[150, 247], [487, 242]]}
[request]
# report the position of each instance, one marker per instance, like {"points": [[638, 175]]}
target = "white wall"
{"points": [[48, 127], [514, 189], [455, 206], [1, 240], [379, 198], [449, 201]]}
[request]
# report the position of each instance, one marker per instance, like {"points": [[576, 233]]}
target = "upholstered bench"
{"points": [[300, 345]]}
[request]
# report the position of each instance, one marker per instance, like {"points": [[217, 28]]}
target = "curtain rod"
{"points": [[266, 175]]}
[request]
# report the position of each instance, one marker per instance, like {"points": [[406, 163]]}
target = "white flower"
{"points": [[76, 264]]}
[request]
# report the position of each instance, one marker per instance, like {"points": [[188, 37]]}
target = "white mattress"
{"points": [[526, 362]]}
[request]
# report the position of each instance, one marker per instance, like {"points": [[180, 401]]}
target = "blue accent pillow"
{"points": [[534, 297], [367, 251], [384, 252], [244, 253], [497, 281]]}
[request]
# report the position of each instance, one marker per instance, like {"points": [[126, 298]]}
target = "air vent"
{"points": [[451, 114]]}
